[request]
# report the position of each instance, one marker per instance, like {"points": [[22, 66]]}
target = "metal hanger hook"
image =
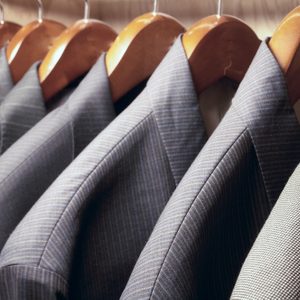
{"points": [[155, 6], [220, 8], [1, 12], [40, 10], [87, 9]]}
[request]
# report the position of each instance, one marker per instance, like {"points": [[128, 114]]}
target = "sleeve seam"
{"points": [[86, 179]]}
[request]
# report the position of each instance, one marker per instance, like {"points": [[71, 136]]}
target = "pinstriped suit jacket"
{"points": [[23, 107], [29, 166], [205, 232], [83, 236], [272, 268], [6, 82]]}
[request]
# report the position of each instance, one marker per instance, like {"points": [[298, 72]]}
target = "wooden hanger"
{"points": [[74, 52], [7, 29], [285, 45], [139, 49], [31, 43], [219, 46]]}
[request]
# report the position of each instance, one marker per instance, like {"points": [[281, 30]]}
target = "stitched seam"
{"points": [[49, 140], [257, 156], [165, 148], [73, 141], [72, 132], [36, 268], [4, 124], [87, 178], [163, 141], [190, 207], [32, 106], [1, 128]]}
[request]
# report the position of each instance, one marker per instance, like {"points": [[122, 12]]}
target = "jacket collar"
{"points": [[176, 110], [91, 105], [21, 109], [263, 103], [6, 82]]}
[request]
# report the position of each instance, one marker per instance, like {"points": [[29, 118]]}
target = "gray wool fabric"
{"points": [[21, 109], [31, 164], [210, 223], [24, 106], [6, 82], [84, 235], [272, 268]]}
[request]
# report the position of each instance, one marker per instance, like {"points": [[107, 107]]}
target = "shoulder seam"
{"points": [[86, 179], [188, 210]]}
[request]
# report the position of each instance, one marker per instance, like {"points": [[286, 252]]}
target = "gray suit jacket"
{"points": [[272, 268], [23, 107], [29, 166], [204, 234], [6, 82], [82, 238]]}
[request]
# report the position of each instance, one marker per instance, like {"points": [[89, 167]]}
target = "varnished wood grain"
{"points": [[262, 15], [60, 66], [234, 45], [150, 35], [7, 31], [30, 44], [285, 45]]}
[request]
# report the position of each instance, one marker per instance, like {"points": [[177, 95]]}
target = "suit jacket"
{"points": [[82, 238], [271, 269], [29, 166], [6, 82], [23, 107], [204, 234]]}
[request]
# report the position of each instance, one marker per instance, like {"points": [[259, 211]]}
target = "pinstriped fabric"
{"points": [[6, 83], [184, 280], [93, 109], [262, 124], [21, 109], [271, 269], [208, 226], [91, 224], [179, 161], [29, 166], [35, 286]]}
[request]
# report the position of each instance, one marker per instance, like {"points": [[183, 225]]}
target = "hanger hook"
{"points": [[1, 12], [155, 6], [40, 10], [87, 9], [220, 8]]}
